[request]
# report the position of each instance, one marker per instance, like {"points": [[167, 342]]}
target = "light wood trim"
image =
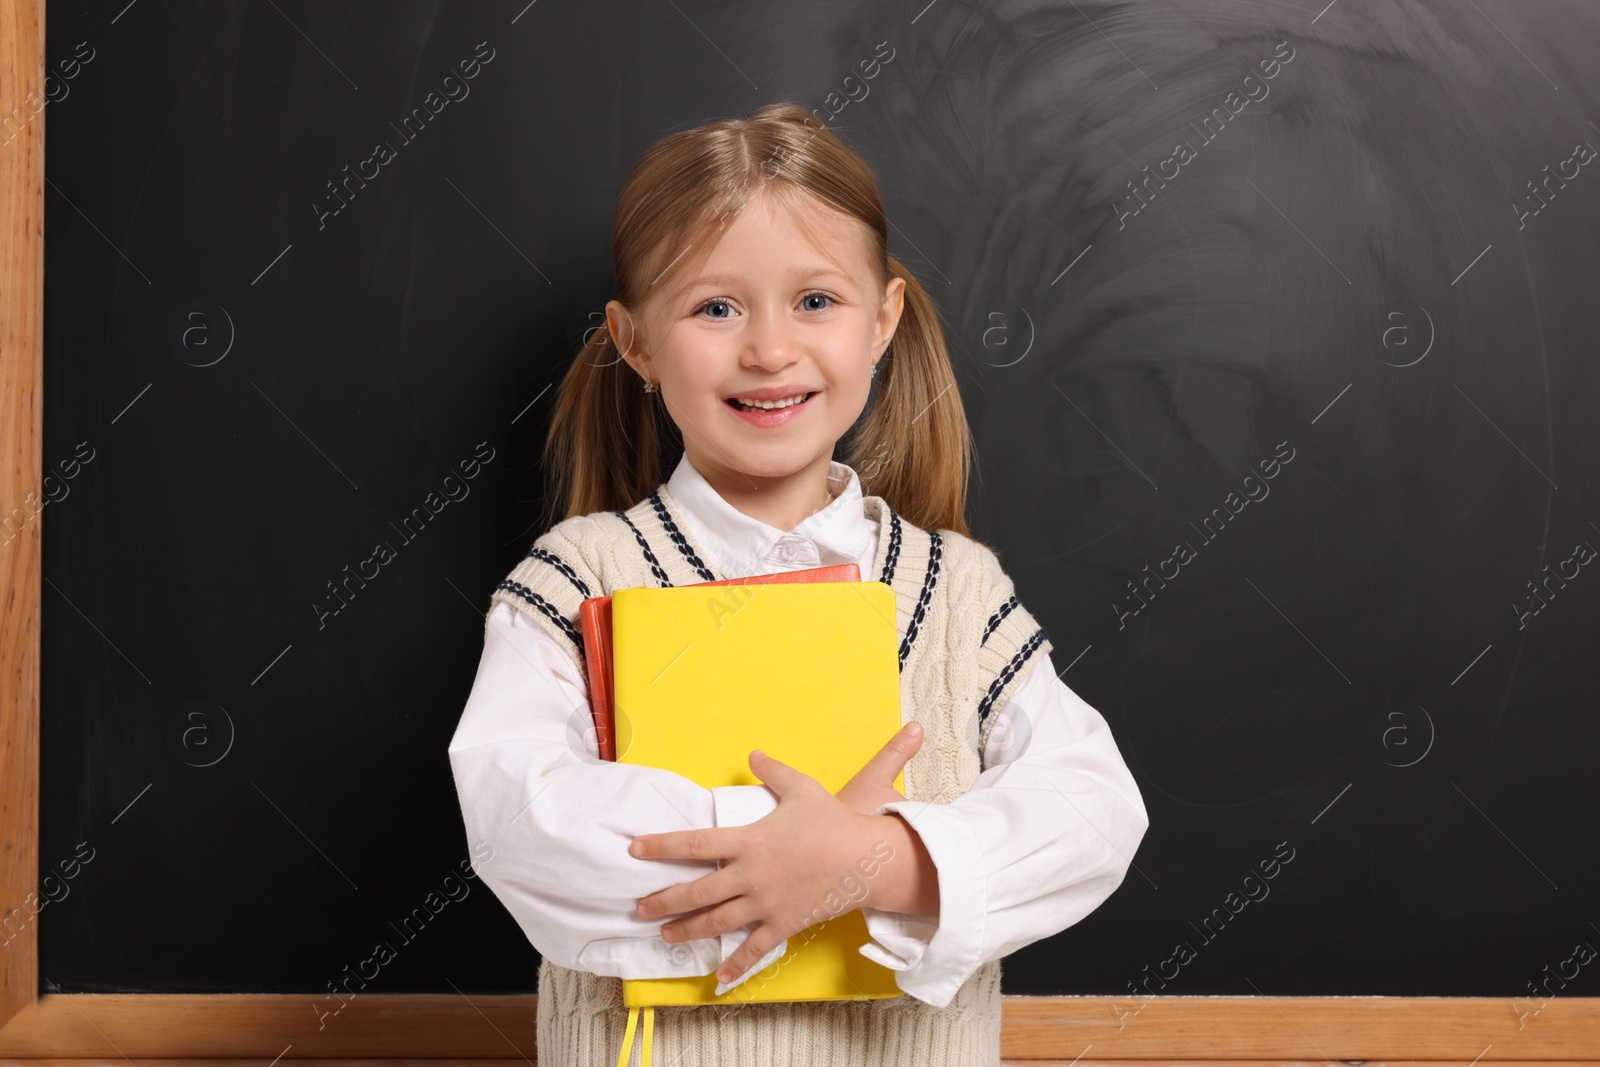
{"points": [[21, 442], [1208, 1030], [88, 1030]]}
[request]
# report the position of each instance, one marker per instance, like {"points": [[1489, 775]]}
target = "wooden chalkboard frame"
{"points": [[109, 1029]]}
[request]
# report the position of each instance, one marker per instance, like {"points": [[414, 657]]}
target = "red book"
{"points": [[594, 617]]}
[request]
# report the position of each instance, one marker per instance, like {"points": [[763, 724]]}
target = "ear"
{"points": [[894, 295], [620, 324]]}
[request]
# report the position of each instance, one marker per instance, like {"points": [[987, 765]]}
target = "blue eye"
{"points": [[719, 302]]}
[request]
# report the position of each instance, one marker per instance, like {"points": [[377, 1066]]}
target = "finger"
{"points": [[686, 897], [891, 758], [765, 938], [778, 775], [714, 921], [711, 843]]}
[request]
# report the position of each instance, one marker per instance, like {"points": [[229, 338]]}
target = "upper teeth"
{"points": [[787, 402]]}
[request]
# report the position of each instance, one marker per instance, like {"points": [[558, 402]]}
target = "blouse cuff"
{"points": [[954, 950], [648, 957], [898, 940]]}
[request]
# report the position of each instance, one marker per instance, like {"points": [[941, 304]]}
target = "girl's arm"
{"points": [[531, 783], [1041, 839]]}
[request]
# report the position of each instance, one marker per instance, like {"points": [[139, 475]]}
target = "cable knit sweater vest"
{"points": [[966, 643]]}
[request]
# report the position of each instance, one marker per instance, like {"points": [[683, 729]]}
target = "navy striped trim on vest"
{"points": [[678, 539], [547, 609], [998, 617], [930, 581], [644, 546], [1009, 672], [891, 554], [546, 556]]}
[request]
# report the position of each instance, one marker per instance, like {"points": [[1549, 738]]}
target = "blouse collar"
{"points": [[741, 545]]}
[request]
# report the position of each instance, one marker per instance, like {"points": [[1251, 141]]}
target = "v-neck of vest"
{"points": [[892, 532]]}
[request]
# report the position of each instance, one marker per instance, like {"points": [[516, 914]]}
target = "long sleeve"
{"points": [[1043, 837], [531, 783]]}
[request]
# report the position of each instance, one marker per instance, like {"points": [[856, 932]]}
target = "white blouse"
{"points": [[1043, 837]]}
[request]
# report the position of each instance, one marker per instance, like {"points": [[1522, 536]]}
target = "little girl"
{"points": [[757, 307]]}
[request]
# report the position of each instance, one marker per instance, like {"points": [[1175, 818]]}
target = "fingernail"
{"points": [[724, 976], [634, 848], [760, 753]]}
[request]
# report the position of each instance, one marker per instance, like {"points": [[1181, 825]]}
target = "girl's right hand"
{"points": [[873, 785]]}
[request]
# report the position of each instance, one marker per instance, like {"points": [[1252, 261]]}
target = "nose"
{"points": [[771, 342]]}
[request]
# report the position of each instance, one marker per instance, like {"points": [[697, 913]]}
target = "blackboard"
{"points": [[1274, 325]]}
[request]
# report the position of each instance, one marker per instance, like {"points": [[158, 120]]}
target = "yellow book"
{"points": [[807, 672]]}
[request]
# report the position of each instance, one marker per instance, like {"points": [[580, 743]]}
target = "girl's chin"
{"points": [[771, 461]]}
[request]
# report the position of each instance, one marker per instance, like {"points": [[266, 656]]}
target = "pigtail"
{"points": [[606, 437], [913, 446]]}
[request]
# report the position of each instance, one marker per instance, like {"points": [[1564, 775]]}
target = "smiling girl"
{"points": [[760, 326]]}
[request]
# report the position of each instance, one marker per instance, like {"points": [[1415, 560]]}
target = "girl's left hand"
{"points": [[777, 871]]}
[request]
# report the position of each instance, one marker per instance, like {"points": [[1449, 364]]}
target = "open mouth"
{"points": [[769, 405]]}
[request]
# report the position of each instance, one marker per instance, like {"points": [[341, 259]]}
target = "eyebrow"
{"points": [[796, 274]]}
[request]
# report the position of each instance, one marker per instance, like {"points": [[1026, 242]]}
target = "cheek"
{"points": [[849, 356], [696, 366], [850, 384]]}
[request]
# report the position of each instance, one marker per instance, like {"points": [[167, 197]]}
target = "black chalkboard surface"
{"points": [[1275, 326]]}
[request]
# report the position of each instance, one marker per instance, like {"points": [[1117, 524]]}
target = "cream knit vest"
{"points": [[966, 643]]}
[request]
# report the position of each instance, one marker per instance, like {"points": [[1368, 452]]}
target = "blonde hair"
{"points": [[608, 437]]}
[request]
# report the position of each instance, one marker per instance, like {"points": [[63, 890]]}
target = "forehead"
{"points": [[784, 237]]}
